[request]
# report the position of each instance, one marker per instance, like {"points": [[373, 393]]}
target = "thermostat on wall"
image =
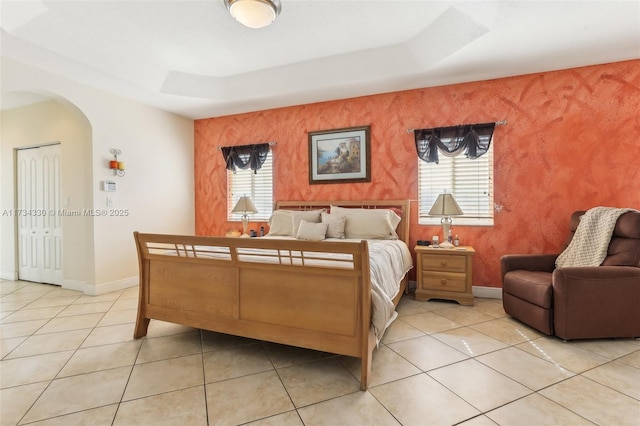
{"points": [[109, 186]]}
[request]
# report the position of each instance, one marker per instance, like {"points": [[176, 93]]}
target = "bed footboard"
{"points": [[315, 295]]}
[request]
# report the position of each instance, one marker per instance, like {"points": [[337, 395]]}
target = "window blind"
{"points": [[470, 182], [258, 186]]}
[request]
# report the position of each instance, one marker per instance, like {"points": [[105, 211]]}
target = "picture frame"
{"points": [[340, 155]]}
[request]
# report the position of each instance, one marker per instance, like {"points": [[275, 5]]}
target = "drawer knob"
{"points": [[443, 282], [443, 263]]}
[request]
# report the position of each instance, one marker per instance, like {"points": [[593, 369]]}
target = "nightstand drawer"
{"points": [[444, 262], [444, 281]]}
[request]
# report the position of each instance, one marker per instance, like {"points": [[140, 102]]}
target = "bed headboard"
{"points": [[402, 207]]}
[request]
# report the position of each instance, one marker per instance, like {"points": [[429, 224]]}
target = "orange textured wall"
{"points": [[572, 142]]}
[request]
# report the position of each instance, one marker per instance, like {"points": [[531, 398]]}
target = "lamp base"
{"points": [[245, 224], [446, 226], [446, 244], [244, 236]]}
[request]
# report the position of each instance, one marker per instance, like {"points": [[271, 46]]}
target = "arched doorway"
{"points": [[31, 120]]}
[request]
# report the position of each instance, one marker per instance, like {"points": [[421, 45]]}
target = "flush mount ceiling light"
{"points": [[254, 13]]}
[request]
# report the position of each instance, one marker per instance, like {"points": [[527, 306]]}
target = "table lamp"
{"points": [[244, 206], [445, 206]]}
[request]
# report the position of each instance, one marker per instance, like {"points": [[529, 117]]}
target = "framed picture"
{"points": [[340, 155]]}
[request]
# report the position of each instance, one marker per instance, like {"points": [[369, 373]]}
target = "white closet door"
{"points": [[39, 221]]}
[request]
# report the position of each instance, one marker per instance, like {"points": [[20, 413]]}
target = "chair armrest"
{"points": [[528, 262], [602, 280], [593, 302]]}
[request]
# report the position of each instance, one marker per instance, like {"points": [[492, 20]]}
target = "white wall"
{"points": [[157, 191]]}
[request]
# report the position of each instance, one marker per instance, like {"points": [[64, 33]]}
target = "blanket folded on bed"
{"points": [[591, 240]]}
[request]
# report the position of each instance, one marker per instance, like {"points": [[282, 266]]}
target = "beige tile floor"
{"points": [[70, 359]]}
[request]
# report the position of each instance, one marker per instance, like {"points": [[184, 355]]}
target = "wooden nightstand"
{"points": [[444, 273]]}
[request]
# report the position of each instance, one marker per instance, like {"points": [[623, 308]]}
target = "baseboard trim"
{"points": [[478, 291], [487, 292], [116, 285], [96, 290], [77, 286], [9, 275]]}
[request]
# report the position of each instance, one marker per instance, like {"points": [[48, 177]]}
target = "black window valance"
{"points": [[471, 139], [245, 156]]}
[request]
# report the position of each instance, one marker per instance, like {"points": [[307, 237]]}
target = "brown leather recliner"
{"points": [[579, 302]]}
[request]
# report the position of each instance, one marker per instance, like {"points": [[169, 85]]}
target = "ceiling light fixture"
{"points": [[254, 13]]}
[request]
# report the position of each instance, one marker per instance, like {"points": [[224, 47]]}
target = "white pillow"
{"points": [[311, 231], [281, 223], [379, 224], [335, 225], [286, 222], [312, 216]]}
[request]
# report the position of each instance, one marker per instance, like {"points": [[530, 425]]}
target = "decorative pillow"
{"points": [[377, 224], [281, 223], [311, 231], [335, 224], [312, 216]]}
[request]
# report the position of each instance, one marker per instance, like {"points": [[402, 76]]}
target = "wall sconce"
{"points": [[115, 165]]}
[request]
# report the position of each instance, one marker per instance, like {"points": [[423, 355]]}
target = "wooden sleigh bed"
{"points": [[310, 294]]}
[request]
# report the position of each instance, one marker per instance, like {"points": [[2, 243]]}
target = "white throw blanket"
{"points": [[591, 241]]}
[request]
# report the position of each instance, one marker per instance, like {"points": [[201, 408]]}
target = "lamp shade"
{"points": [[254, 13], [445, 205], [244, 205]]}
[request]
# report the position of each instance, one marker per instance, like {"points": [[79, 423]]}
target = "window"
{"points": [[470, 182], [259, 186]]}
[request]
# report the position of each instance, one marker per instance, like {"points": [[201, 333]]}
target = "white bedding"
{"points": [[389, 261]]}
